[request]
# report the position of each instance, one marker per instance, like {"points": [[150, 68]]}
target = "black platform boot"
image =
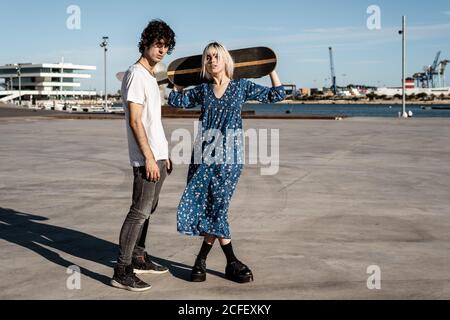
{"points": [[198, 273], [238, 272]]}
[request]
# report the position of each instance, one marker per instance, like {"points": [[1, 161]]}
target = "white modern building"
{"points": [[44, 81]]}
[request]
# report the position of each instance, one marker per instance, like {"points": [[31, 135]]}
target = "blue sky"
{"points": [[300, 32]]}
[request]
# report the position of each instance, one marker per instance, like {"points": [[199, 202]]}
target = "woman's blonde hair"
{"points": [[222, 53]]}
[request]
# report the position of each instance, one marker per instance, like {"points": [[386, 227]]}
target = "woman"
{"points": [[203, 209]]}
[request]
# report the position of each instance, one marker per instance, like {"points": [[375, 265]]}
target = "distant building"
{"points": [[411, 88], [410, 83], [305, 91], [390, 92], [43, 81], [351, 92], [291, 90], [316, 91]]}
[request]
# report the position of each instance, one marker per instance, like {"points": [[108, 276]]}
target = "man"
{"points": [[149, 155]]}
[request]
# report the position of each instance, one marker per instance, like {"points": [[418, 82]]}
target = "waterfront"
{"points": [[350, 110], [324, 109], [276, 110]]}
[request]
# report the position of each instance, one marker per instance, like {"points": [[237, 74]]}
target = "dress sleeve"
{"points": [[187, 98], [263, 94]]}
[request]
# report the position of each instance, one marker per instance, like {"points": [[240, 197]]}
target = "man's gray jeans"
{"points": [[145, 202]]}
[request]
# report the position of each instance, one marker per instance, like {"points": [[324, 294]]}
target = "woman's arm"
{"points": [[180, 98], [275, 80], [264, 94]]}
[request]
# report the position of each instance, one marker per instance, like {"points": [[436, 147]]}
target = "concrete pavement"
{"points": [[348, 195]]}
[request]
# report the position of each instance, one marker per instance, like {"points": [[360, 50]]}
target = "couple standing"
{"points": [[203, 209]]}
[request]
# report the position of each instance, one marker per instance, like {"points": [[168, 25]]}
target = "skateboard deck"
{"points": [[253, 62]]}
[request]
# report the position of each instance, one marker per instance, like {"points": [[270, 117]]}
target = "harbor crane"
{"points": [[432, 71], [432, 76], [441, 72]]}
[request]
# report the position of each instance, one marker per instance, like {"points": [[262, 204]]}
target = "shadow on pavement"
{"points": [[29, 231]]}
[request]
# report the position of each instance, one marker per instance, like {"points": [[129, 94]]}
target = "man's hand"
{"points": [[169, 166], [152, 170]]}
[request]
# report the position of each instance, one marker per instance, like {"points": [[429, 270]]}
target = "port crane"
{"points": [[433, 76], [432, 71], [441, 72]]}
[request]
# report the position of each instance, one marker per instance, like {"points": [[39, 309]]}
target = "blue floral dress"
{"points": [[217, 158]]}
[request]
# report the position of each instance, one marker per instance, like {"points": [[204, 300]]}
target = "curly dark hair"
{"points": [[157, 30]]}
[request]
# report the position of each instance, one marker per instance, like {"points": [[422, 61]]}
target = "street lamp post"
{"points": [[19, 74], [104, 45], [403, 33]]}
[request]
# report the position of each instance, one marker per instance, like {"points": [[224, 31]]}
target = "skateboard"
{"points": [[253, 62]]}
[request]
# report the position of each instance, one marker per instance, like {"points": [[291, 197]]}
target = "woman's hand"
{"points": [[178, 88]]}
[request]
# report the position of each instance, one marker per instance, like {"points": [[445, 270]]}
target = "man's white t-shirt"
{"points": [[140, 87]]}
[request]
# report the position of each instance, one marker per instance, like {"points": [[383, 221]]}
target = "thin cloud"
{"points": [[327, 30], [259, 29], [363, 62], [356, 35], [311, 60]]}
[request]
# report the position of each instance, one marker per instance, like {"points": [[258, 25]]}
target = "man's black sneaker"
{"points": [[143, 265], [198, 273], [238, 272], [124, 278]]}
